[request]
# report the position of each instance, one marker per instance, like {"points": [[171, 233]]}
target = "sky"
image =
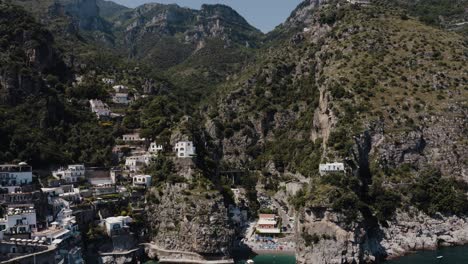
{"points": [[263, 14]]}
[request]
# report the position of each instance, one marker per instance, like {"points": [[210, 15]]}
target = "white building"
{"points": [[113, 224], [184, 149], [121, 98], [155, 148], [359, 2], [331, 168], [108, 81], [120, 88], [66, 220], [18, 221], [100, 109], [137, 162], [53, 235], [135, 137], [15, 175], [72, 174], [66, 192], [142, 180]]}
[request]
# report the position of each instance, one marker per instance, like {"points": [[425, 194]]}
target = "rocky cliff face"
{"points": [[212, 21], [170, 34], [324, 238], [182, 221], [73, 22], [436, 142], [86, 14], [408, 122], [337, 90]]}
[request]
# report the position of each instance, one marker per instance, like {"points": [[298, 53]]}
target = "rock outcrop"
{"points": [[324, 238], [182, 221]]}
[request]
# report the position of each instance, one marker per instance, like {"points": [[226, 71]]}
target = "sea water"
{"points": [[450, 255], [272, 259], [262, 259]]}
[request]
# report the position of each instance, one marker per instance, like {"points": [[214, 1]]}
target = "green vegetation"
{"points": [[430, 11], [259, 107], [433, 194], [162, 170], [38, 124]]}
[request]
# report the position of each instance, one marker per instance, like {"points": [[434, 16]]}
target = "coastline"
{"points": [[274, 252], [452, 254], [431, 249]]}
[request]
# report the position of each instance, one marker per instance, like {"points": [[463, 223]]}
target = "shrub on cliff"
{"points": [[433, 194], [383, 202]]}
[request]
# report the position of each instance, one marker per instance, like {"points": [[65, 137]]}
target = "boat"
{"points": [[439, 257], [250, 261]]}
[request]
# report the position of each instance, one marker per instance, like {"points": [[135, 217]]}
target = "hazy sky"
{"points": [[263, 14]]}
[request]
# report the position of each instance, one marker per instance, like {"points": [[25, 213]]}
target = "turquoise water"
{"points": [[272, 259], [262, 259], [451, 255]]}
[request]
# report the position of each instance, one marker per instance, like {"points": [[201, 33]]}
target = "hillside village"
{"points": [[337, 138], [109, 203], [47, 215]]}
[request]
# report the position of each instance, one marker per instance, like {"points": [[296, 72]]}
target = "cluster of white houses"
{"points": [[101, 184], [139, 157], [22, 233], [57, 230]]}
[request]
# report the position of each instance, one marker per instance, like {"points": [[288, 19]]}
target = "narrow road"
{"points": [[187, 261], [201, 260]]}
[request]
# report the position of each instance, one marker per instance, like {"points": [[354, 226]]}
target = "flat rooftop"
{"points": [[51, 232]]}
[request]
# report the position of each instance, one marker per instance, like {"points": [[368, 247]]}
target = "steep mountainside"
{"points": [[25, 57], [352, 69], [109, 9], [150, 25], [74, 23], [197, 48], [83, 13], [38, 124], [364, 84], [445, 13]]}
